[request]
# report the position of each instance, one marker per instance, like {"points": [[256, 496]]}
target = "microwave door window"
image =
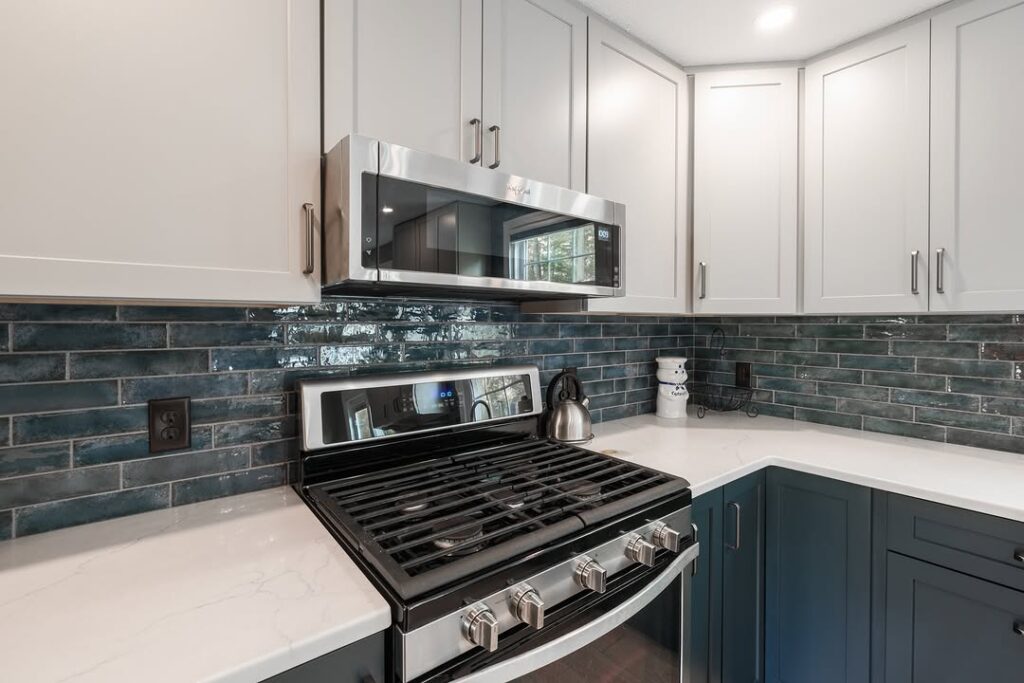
{"points": [[564, 253]]}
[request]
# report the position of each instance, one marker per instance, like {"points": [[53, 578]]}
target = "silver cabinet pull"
{"points": [[940, 257], [696, 539], [307, 209], [478, 140], [913, 271], [703, 280], [1018, 628], [497, 146], [1019, 555], [739, 511]]}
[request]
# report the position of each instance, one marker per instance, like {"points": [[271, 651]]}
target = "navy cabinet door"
{"points": [[743, 580], [946, 627], [818, 580], [703, 661], [360, 662]]}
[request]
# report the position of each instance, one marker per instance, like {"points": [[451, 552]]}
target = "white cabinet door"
{"points": [[978, 157], [866, 177], [159, 150], [403, 71], [535, 89], [637, 154], [745, 191]]}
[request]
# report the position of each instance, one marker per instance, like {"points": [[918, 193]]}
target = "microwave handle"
{"points": [[530, 661]]}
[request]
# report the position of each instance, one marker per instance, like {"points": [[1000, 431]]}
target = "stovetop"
{"points": [[426, 524]]}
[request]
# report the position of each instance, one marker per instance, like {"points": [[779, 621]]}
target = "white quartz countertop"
{"points": [[235, 589], [723, 447]]}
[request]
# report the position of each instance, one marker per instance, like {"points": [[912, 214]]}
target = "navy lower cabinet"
{"points": [[818, 580], [743, 563], [946, 627], [703, 658], [360, 662]]}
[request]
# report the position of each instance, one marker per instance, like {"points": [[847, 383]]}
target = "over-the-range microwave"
{"points": [[401, 221]]}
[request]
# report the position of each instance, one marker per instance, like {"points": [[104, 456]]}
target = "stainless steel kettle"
{"points": [[568, 419]]}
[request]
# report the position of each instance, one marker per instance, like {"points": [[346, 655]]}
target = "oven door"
{"points": [[634, 632]]}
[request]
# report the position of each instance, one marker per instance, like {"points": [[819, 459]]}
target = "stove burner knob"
{"points": [[527, 606], [666, 537], [640, 550], [590, 575], [480, 627]]}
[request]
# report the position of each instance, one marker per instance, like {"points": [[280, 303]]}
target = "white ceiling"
{"points": [[704, 32]]}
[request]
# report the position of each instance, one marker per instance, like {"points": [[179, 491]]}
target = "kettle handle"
{"points": [[569, 373]]}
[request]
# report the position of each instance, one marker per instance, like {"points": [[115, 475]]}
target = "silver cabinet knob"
{"points": [[480, 627], [640, 550], [590, 575], [527, 606], [666, 537]]}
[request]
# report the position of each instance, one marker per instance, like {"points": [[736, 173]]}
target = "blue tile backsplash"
{"points": [[947, 378], [74, 381]]}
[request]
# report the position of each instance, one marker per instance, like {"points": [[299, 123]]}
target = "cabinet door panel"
{"points": [[403, 71], [745, 191], [703, 660], [978, 156], [743, 580], [158, 150], [947, 627], [818, 579], [535, 89], [866, 179], [637, 148]]}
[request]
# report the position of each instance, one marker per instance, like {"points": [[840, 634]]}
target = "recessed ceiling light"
{"points": [[386, 209], [775, 18]]}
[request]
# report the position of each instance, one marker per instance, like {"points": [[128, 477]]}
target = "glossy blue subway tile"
{"points": [[579, 330], [156, 470], [1001, 351], [883, 363], [987, 387], [189, 335], [830, 331], [86, 336], [1003, 406], [865, 393], [193, 386], [6, 525], [31, 367], [64, 312], [918, 332], [957, 418], [828, 418], [875, 409], [181, 313], [65, 513], [328, 309], [42, 397], [217, 486], [360, 354], [122, 447], [238, 408], [78, 424], [826, 403], [104, 364], [275, 452], [594, 344], [1001, 442], [926, 349], [254, 431], [43, 488], [542, 347], [933, 399], [265, 358], [35, 459], [987, 333], [905, 380], [910, 429], [332, 333]]}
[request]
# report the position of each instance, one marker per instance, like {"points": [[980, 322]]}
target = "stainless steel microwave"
{"points": [[398, 220]]}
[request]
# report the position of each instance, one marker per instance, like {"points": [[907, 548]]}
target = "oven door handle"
{"points": [[530, 661]]}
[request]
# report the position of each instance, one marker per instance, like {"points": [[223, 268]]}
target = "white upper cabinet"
{"points": [[403, 71], [866, 177], [535, 90], [159, 150], [977, 157], [745, 191], [500, 83], [637, 154]]}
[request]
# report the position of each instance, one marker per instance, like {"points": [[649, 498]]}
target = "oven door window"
{"points": [[423, 229]]}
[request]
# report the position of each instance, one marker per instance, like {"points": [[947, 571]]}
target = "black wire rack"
{"points": [[717, 397]]}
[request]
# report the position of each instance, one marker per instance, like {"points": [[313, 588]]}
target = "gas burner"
{"points": [[510, 498], [455, 532], [414, 502], [584, 490]]}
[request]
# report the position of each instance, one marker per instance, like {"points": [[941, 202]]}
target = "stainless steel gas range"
{"points": [[504, 556]]}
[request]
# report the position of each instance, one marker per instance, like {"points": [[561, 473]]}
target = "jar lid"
{"points": [[671, 361]]}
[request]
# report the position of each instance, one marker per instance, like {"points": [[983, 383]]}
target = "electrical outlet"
{"points": [[170, 424], [743, 375]]}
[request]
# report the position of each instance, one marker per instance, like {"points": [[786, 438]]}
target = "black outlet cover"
{"points": [[170, 424], [743, 375]]}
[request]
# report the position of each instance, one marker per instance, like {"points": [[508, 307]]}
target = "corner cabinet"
{"points": [[637, 154], [358, 662], [818, 579], [498, 83], [866, 177], [977, 147], [160, 152], [745, 191]]}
